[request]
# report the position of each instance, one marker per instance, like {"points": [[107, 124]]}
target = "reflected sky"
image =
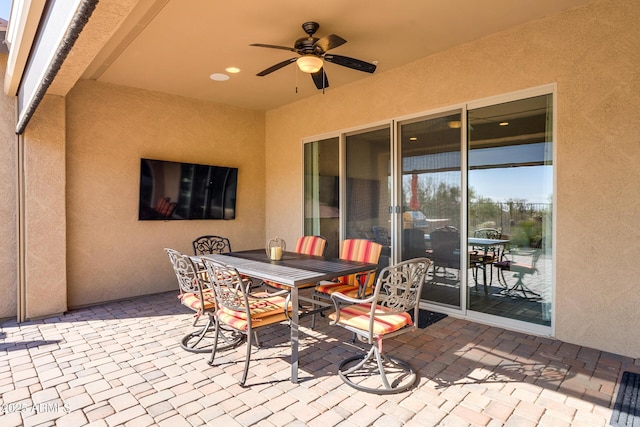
{"points": [[532, 183], [5, 9]]}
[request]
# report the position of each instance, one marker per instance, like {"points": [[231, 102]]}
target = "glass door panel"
{"points": [[431, 182], [321, 192], [510, 191], [368, 188]]}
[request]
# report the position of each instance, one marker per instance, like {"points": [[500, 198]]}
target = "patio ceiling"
{"points": [[172, 47]]}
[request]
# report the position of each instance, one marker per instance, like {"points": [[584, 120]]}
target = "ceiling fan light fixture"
{"points": [[309, 63]]}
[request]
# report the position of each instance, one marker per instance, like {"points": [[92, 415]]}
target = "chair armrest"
{"points": [[339, 298]]}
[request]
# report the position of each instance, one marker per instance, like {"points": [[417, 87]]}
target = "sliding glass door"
{"points": [[431, 191], [368, 188], [510, 193], [471, 188], [321, 192]]}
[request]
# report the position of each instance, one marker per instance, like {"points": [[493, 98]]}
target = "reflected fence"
{"points": [[518, 220]]}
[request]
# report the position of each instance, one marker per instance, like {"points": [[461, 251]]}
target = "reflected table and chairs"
{"points": [[445, 252], [485, 253]]}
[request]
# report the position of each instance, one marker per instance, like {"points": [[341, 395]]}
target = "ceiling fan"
{"points": [[313, 54]]}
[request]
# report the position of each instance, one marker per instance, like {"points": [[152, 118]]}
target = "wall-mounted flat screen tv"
{"points": [[175, 191]]}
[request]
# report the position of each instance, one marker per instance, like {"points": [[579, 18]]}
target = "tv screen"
{"points": [[175, 191]]}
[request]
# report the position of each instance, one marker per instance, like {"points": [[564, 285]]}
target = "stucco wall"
{"points": [[592, 55], [112, 255], [44, 212], [8, 142]]}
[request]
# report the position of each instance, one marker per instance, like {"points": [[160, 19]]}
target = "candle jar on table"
{"points": [[275, 248]]}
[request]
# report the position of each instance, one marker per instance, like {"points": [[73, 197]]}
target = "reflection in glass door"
{"points": [[510, 190], [321, 192], [368, 188], [431, 182]]}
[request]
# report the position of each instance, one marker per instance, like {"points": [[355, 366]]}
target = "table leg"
{"points": [[484, 275], [294, 334]]}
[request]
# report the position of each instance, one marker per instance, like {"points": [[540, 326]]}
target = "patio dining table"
{"points": [[293, 270]]}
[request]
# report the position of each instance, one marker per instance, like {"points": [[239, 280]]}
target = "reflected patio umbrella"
{"points": [[414, 204]]}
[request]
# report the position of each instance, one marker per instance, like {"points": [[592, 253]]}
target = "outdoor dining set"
{"points": [[241, 293]]}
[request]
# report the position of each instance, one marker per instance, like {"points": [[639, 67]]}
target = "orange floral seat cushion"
{"points": [[264, 311], [385, 321], [192, 300]]}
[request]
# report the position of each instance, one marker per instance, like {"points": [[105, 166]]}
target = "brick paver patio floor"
{"points": [[121, 364]]}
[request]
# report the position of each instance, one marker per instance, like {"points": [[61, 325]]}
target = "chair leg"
{"points": [[313, 314], [502, 280], [248, 358], [383, 375], [215, 343]]}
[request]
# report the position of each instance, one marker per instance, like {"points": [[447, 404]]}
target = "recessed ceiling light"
{"points": [[504, 123], [413, 138], [232, 70], [455, 124], [219, 77]]}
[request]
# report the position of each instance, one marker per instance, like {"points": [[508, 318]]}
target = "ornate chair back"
{"points": [[186, 273], [195, 295], [205, 245]]}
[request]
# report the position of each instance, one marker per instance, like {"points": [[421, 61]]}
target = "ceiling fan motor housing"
{"points": [[305, 46]]}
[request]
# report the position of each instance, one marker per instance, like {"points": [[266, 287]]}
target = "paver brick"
{"points": [[253, 416], [121, 417]]}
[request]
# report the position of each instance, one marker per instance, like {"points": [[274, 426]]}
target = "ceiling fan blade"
{"points": [[271, 46], [329, 42], [276, 67], [320, 79], [353, 63]]}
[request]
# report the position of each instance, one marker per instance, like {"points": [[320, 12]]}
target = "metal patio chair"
{"points": [[391, 310], [197, 296], [238, 309]]}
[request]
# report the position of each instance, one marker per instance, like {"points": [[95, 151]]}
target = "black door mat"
{"points": [[426, 318], [626, 411]]}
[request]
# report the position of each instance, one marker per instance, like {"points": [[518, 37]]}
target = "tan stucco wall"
{"points": [[44, 212], [8, 142], [112, 255], [592, 55]]}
